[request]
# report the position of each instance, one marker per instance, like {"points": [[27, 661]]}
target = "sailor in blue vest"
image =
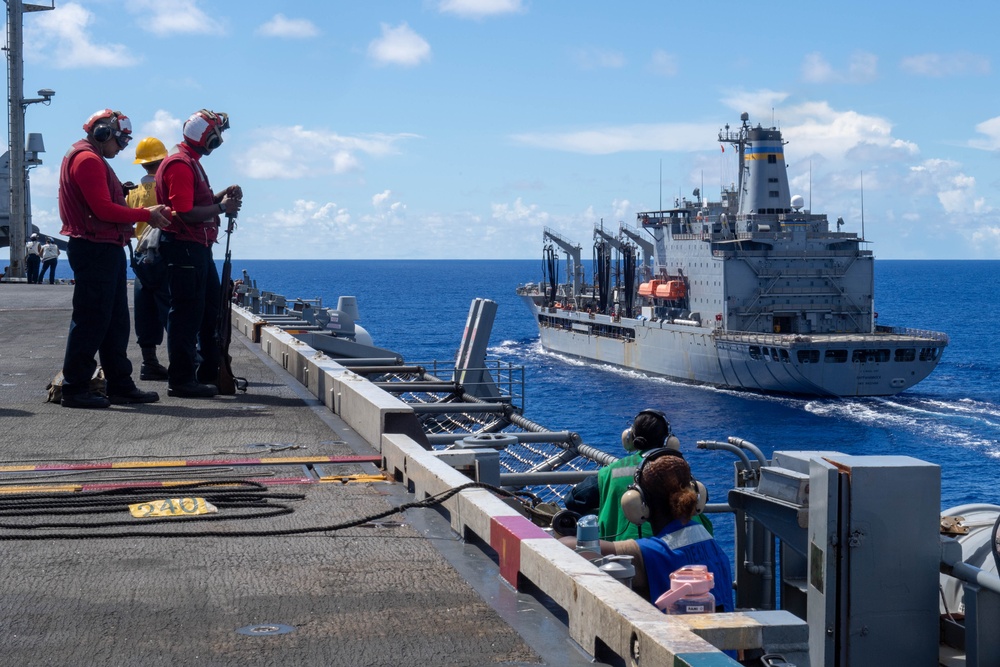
{"points": [[663, 494]]}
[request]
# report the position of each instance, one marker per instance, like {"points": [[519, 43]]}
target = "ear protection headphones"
{"points": [[103, 131], [634, 504], [107, 124], [204, 129], [219, 123], [628, 435]]}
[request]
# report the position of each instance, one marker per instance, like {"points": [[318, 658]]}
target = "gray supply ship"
{"points": [[750, 292]]}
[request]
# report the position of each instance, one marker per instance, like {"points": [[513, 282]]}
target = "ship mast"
{"points": [[17, 221], [738, 139]]}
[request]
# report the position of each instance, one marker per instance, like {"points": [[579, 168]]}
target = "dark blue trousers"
{"points": [[151, 298], [194, 310], [100, 322], [48, 265], [32, 261]]}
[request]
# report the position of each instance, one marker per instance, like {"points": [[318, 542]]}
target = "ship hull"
{"points": [[818, 365]]}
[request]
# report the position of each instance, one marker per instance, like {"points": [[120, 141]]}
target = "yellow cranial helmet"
{"points": [[149, 149]]}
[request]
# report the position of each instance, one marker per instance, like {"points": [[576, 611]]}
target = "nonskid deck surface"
{"points": [[398, 591]]}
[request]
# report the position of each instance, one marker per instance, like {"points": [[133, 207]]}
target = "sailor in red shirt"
{"points": [[186, 247], [99, 224]]}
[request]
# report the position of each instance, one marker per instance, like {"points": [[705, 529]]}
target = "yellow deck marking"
{"points": [[172, 507], [344, 479], [42, 488]]}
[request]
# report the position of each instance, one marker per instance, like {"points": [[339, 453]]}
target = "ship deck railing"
{"points": [[938, 336], [880, 336], [545, 461]]}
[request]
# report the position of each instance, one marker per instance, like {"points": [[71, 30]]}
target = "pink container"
{"points": [[689, 592]]}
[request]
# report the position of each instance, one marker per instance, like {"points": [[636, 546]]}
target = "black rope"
{"points": [[236, 494], [427, 502]]}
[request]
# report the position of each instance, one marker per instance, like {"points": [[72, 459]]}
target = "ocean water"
{"points": [[419, 308]]}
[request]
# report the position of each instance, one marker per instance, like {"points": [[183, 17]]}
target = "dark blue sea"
{"points": [[419, 309]]}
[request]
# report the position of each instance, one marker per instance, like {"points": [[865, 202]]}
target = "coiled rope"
{"points": [[249, 495]]}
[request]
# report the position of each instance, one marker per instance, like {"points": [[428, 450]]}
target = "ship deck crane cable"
{"points": [[73, 500]]}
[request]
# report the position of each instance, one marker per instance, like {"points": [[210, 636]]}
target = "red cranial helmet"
{"points": [[105, 124], [203, 130]]}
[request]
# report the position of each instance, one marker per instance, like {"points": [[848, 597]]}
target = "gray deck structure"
{"points": [[411, 593]]}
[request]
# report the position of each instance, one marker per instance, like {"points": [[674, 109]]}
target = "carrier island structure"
{"points": [[750, 292]]}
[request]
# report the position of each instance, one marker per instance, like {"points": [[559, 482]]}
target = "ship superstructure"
{"points": [[752, 291]]}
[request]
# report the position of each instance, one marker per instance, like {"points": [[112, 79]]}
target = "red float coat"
{"points": [[91, 200], [182, 184]]}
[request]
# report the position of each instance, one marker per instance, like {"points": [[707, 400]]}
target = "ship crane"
{"points": [[602, 268], [647, 250], [574, 266]]}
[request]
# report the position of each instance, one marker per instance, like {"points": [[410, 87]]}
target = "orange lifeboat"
{"points": [[649, 289], [672, 289]]}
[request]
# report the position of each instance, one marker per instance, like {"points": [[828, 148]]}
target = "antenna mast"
{"points": [[18, 217], [862, 206]]}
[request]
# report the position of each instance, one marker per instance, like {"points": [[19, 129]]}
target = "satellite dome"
{"points": [[798, 202]]}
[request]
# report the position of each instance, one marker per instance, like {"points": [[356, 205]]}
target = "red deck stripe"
{"points": [[185, 463], [506, 533]]}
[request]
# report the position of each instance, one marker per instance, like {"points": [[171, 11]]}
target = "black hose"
{"points": [[602, 264], [551, 268], [629, 260]]}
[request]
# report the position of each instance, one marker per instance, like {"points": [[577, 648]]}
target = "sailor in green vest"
{"points": [[650, 430]]}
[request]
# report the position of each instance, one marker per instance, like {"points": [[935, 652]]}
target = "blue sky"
{"points": [[461, 128]]}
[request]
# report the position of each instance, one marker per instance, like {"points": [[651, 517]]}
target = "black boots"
{"points": [[88, 401], [151, 368], [133, 395], [192, 390]]}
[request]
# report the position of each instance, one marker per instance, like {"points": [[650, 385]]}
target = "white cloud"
{"points": [[62, 38], [344, 162], [813, 128], [862, 68], [816, 127], [44, 181], [991, 128], [477, 9], [603, 141], [386, 208], [987, 241], [282, 26], [296, 152], [174, 17], [965, 221], [663, 63], [954, 189], [816, 69], [164, 127], [590, 58], [622, 210], [946, 64], [320, 225], [518, 212], [399, 46], [758, 103]]}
